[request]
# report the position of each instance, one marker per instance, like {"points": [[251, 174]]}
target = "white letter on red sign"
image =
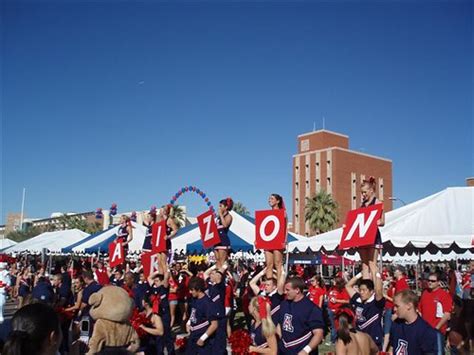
{"points": [[158, 236], [117, 252], [359, 223], [154, 263], [208, 235], [275, 230]]}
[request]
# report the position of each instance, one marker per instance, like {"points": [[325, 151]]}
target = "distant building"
{"points": [[324, 161]]}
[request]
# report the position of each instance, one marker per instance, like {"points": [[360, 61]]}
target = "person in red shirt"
{"points": [[316, 291], [173, 296], [435, 307], [337, 297], [400, 279], [101, 274], [466, 285]]}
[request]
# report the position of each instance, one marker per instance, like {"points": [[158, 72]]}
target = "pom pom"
{"points": [[138, 319], [240, 341]]}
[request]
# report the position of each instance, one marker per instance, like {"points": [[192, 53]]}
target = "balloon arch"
{"points": [[194, 189]]}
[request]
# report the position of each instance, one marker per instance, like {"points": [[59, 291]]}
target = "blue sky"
{"points": [[126, 102]]}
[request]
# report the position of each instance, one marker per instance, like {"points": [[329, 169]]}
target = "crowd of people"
{"points": [[197, 308], [288, 313]]}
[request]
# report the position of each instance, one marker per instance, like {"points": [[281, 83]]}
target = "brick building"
{"points": [[324, 161]]}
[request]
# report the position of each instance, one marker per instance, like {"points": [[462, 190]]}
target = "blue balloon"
{"points": [[183, 189], [198, 191], [172, 202], [208, 203], [203, 195], [190, 187]]}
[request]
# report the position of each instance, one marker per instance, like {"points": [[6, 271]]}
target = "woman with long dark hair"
{"points": [[124, 233], [274, 258], [369, 254], [223, 222], [349, 340], [35, 330]]}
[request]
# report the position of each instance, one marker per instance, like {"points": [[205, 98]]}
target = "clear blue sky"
{"points": [[126, 102]]}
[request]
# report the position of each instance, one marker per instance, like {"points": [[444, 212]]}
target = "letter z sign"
{"points": [[361, 227], [270, 229], [208, 228]]}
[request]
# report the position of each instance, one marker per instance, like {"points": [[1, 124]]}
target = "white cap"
{"points": [[3, 265]]}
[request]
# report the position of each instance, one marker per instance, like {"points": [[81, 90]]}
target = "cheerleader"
{"points": [[263, 330], [124, 233], [24, 286], [274, 258], [166, 214], [223, 221], [153, 344], [148, 224], [369, 254]]}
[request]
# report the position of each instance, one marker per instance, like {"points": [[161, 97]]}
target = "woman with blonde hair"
{"points": [[369, 254], [166, 214], [263, 330], [124, 233]]}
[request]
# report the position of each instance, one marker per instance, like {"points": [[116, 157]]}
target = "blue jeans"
{"points": [[440, 338], [387, 321], [333, 326]]}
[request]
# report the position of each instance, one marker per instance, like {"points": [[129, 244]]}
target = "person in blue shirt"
{"points": [[300, 322], [202, 323], [410, 334], [91, 287], [216, 292], [369, 304], [43, 291]]}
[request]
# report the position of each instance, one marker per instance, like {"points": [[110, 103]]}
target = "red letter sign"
{"points": [[270, 229], [116, 256], [208, 228], [361, 227], [149, 263], [158, 237]]}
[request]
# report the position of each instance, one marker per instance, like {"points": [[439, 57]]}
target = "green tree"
{"points": [[321, 212], [72, 222], [178, 215], [241, 209], [20, 236]]}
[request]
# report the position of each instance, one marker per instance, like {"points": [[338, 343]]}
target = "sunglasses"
{"points": [[432, 280]]}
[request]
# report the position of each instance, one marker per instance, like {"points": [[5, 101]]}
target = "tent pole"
{"points": [[287, 259], [416, 271]]}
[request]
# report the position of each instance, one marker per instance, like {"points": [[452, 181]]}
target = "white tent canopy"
{"points": [[5, 243], [444, 218], [138, 232], [52, 241]]}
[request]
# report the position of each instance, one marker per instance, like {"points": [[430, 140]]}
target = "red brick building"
{"points": [[324, 161]]}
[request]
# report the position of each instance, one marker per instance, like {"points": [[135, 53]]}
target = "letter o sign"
{"points": [[270, 231], [276, 228]]}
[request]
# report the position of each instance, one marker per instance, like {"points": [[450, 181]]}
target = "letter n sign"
{"points": [[208, 229], [270, 229], [149, 263], [116, 256], [361, 227]]}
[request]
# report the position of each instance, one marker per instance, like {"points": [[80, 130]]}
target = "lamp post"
{"points": [[393, 198]]}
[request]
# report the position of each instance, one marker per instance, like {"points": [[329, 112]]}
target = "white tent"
{"points": [[444, 218], [103, 239], [5, 243], [52, 241]]}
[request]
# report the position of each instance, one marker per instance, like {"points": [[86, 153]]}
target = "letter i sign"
{"points": [[361, 227]]}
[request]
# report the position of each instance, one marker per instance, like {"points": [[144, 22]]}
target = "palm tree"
{"points": [[241, 209], [321, 212], [178, 215]]}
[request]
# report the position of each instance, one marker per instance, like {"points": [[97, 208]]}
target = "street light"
{"points": [[393, 198]]}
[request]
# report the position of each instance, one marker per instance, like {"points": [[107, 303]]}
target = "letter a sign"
{"points": [[208, 228], [149, 263], [361, 227], [270, 229], [158, 237], [116, 256]]}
